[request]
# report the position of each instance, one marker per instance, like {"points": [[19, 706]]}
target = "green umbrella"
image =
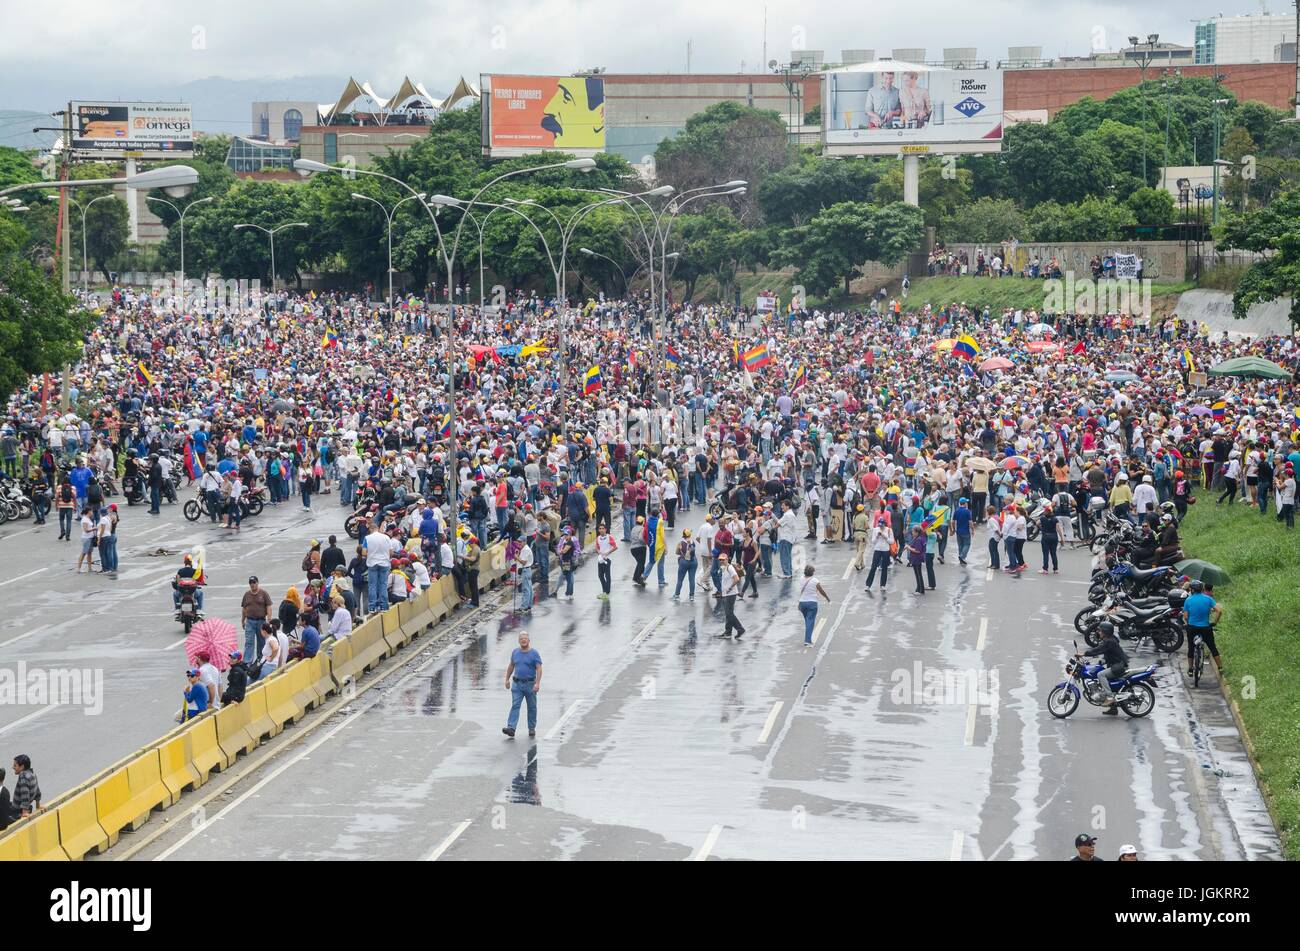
{"points": [[1256, 367], [1202, 571]]}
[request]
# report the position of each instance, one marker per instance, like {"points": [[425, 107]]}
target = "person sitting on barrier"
{"points": [[307, 645], [196, 695], [236, 679], [210, 677], [340, 621]]}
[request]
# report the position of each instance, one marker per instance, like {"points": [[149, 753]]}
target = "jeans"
{"points": [[65, 522], [521, 691], [41, 508], [659, 564], [305, 489], [253, 639], [377, 585], [155, 499], [765, 558], [108, 553], [213, 499], [567, 575], [526, 588], [994, 562], [629, 520], [784, 550], [879, 560], [1049, 551], [963, 547], [733, 622], [929, 568], [809, 611], [176, 595], [686, 570]]}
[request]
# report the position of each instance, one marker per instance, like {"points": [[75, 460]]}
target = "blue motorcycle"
{"points": [[1134, 693]]}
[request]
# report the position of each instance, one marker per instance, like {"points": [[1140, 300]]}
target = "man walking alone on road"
{"points": [[728, 588], [523, 680]]}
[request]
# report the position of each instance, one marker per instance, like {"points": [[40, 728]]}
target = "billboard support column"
{"points": [[133, 204], [912, 179], [65, 216]]}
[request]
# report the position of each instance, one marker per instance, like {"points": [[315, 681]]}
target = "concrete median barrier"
{"points": [[233, 736], [34, 840], [79, 830], [261, 725], [395, 627], [208, 756], [281, 692], [127, 795], [176, 754], [316, 683]]}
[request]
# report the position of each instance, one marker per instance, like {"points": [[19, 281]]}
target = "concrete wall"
{"points": [[1163, 261]]}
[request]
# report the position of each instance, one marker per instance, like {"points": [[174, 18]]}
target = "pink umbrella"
{"points": [[214, 637], [1043, 346], [996, 363]]}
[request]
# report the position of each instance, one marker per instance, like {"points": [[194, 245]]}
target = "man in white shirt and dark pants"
{"points": [[728, 590]]}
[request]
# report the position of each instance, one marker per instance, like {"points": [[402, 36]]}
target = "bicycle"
{"points": [[1198, 659]]}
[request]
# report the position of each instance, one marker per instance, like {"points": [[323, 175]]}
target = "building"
{"points": [[1255, 38], [282, 121], [247, 156]]}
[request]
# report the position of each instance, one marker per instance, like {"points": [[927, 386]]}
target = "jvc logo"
{"points": [[75, 904]]}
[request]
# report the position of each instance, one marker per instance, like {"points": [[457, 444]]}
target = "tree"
{"points": [[1239, 149], [1274, 230], [1045, 163], [725, 142], [1093, 219], [940, 194], [835, 244], [1152, 206], [108, 229], [41, 328], [984, 221], [1124, 145], [794, 194]]}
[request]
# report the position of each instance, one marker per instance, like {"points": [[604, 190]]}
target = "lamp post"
{"points": [[597, 254], [181, 216], [1214, 208], [1169, 93], [271, 232], [389, 215], [176, 180], [1144, 59], [85, 283], [308, 166], [1184, 199]]}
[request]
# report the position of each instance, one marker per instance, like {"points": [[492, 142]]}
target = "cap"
{"points": [[236, 656], [1128, 849], [1084, 839], [192, 672], [252, 579]]}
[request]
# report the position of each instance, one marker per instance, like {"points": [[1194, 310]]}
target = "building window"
{"points": [[331, 148], [292, 124], [264, 126]]}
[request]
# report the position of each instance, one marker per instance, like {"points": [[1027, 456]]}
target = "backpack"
{"points": [[66, 492]]}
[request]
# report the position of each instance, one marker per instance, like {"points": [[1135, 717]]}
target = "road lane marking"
{"points": [[31, 716], [771, 721], [150, 531], [456, 833], [817, 629], [848, 571], [23, 532], [559, 724], [958, 846], [710, 841], [15, 640], [28, 575], [177, 644], [971, 710], [988, 575], [984, 634], [645, 631]]}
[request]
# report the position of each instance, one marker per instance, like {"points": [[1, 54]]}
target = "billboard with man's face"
{"points": [[536, 113], [112, 129], [894, 109]]}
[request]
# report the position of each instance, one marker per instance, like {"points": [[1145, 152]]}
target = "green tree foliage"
{"points": [[1152, 206], [985, 221], [793, 195], [1047, 163], [834, 245], [940, 191], [1093, 219], [1274, 229]]}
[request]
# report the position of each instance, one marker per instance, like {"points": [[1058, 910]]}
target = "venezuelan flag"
{"points": [[444, 430], [757, 357], [528, 351], [672, 358], [591, 382], [331, 339], [936, 519], [800, 377], [1219, 409], [1188, 363], [1295, 413], [143, 376], [966, 348]]}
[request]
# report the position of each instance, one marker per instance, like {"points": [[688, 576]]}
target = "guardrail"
{"points": [[90, 818]]}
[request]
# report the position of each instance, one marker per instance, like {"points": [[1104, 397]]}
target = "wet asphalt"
{"points": [[915, 728]]}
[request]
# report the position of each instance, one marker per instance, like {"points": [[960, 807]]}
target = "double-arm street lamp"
{"points": [[180, 216], [271, 232], [389, 215]]}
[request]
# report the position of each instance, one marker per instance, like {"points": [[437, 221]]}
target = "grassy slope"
{"points": [[1259, 638], [1010, 292]]}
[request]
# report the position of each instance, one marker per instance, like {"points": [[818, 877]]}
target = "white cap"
{"points": [[1128, 850]]}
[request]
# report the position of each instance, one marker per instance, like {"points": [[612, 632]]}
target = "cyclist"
{"points": [[1202, 613]]}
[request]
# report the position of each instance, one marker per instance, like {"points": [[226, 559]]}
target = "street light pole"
{"points": [[389, 216], [270, 232], [1214, 208], [1144, 59], [85, 273], [181, 217]]}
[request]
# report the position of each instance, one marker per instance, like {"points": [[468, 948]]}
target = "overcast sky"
{"points": [[50, 52]]}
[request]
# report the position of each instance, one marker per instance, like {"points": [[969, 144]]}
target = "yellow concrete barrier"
{"points": [[315, 683], [368, 645], [207, 756], [79, 828], [281, 694], [176, 757], [436, 600], [232, 729], [125, 797], [261, 725], [342, 669], [34, 840], [450, 599], [395, 626]]}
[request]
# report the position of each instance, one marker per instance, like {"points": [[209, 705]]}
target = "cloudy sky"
{"points": [[51, 52]]}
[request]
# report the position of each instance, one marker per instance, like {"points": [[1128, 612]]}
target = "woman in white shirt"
{"points": [[270, 654], [808, 592], [882, 542]]}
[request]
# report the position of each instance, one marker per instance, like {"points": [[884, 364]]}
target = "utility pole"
{"points": [[65, 400]]}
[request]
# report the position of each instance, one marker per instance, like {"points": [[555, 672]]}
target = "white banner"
{"points": [[1127, 266]]}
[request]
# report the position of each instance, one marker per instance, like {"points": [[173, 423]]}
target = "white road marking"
{"points": [[559, 724], [971, 710], [817, 629], [984, 634], [771, 721], [23, 532], [848, 571], [958, 846], [645, 631], [710, 841], [150, 531], [988, 575], [456, 833], [31, 716], [177, 644], [15, 640], [28, 575]]}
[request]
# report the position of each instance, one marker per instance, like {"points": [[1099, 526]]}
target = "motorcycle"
{"points": [[133, 489], [1134, 691], [188, 612], [251, 505], [1157, 619]]}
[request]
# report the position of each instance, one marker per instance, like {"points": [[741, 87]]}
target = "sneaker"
{"points": [[532, 732], [1111, 711], [691, 599], [675, 598], [1042, 571], [507, 731]]}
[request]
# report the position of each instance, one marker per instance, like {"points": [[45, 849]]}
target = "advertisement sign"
{"points": [[526, 114], [112, 129], [887, 108]]}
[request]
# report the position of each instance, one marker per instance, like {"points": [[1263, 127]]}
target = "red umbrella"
{"points": [[1043, 346], [214, 637], [996, 363]]}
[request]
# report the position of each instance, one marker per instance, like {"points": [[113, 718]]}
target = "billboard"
{"points": [[113, 129], [526, 114], [887, 108]]}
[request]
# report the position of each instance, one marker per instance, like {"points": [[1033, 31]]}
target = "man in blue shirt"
{"points": [[196, 695], [961, 522], [80, 478], [1202, 613], [523, 680], [201, 445]]}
